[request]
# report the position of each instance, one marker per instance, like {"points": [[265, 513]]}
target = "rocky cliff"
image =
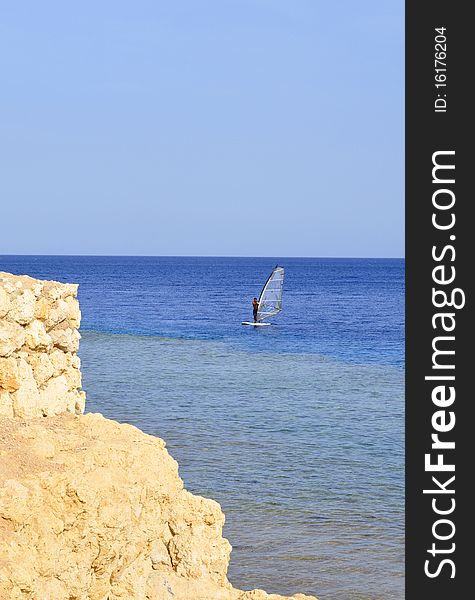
{"points": [[39, 338], [89, 509]]}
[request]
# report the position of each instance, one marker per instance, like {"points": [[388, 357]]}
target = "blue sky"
{"points": [[189, 127]]}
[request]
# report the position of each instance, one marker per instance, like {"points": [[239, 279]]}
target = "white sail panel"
{"points": [[270, 300]]}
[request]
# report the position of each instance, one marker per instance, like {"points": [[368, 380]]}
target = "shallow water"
{"points": [[296, 429], [303, 453]]}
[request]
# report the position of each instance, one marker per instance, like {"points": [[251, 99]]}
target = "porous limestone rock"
{"points": [[6, 404], [94, 510], [4, 302], [65, 339], [9, 374], [12, 337], [36, 337], [39, 338], [22, 310]]}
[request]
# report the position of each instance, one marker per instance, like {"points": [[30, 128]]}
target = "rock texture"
{"points": [[89, 509], [39, 338]]}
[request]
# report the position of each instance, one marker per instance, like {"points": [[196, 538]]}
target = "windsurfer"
{"points": [[255, 307]]}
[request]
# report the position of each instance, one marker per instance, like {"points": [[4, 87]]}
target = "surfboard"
{"points": [[255, 324]]}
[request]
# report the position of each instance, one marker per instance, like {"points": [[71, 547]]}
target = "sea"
{"points": [[297, 429]]}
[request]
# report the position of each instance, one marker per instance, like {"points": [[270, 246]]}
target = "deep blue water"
{"points": [[296, 429], [351, 309]]}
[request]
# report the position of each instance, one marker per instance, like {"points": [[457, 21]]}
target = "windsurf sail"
{"points": [[270, 300]]}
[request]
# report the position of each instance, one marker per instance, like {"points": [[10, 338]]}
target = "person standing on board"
{"points": [[255, 306]]}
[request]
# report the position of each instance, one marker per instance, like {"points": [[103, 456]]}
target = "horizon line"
{"points": [[205, 256]]}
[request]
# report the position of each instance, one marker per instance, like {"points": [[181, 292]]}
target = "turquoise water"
{"points": [[291, 446], [296, 429]]}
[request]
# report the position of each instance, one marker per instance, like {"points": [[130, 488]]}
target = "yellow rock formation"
{"points": [[39, 338]]}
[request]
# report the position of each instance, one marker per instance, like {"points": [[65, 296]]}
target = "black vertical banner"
{"points": [[440, 247]]}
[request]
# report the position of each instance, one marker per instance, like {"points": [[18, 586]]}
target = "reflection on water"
{"points": [[304, 454]]}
